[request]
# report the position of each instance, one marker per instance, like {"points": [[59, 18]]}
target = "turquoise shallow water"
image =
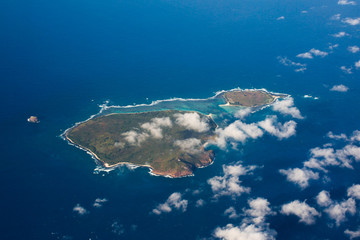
{"points": [[61, 60]]}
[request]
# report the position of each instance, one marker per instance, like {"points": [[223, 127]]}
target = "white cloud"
{"points": [[336, 17], [229, 184], [323, 199], [324, 157], [352, 21], [252, 130], [357, 64], [238, 132], [153, 128], [299, 176], [352, 234], [331, 47], [287, 107], [346, 2], [242, 113], [200, 203], [134, 137], [346, 70], [117, 228], [305, 55], [321, 158], [192, 121], [313, 52], [231, 213], [300, 67], [190, 145], [259, 209], [280, 18], [335, 210], [253, 225], [309, 96], [243, 232], [99, 201], [341, 136], [174, 201], [155, 125], [338, 211], [354, 191], [272, 126], [355, 136], [353, 49], [80, 210], [306, 213], [317, 52], [340, 34], [339, 88]]}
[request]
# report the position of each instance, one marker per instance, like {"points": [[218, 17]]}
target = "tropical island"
{"points": [[249, 98], [171, 143]]}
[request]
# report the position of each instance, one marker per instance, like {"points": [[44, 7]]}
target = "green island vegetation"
{"points": [[169, 142], [249, 98], [160, 140]]}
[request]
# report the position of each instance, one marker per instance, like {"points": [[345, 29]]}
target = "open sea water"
{"points": [[60, 60]]}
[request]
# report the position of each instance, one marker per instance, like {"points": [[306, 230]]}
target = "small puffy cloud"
{"points": [[302, 210], [174, 201], [238, 132], [117, 228], [231, 213], [287, 107], [259, 209], [355, 136], [323, 199], [338, 211], [318, 53], [299, 176], [341, 136], [309, 96], [272, 126], [242, 113], [190, 145], [323, 157], [99, 202], [353, 49], [339, 88], [313, 52], [192, 121], [243, 232], [331, 47], [80, 210], [346, 70], [229, 184], [354, 191], [200, 203], [357, 64], [305, 55], [336, 17], [280, 18], [155, 125], [346, 2], [253, 225], [299, 67], [352, 234], [352, 21], [340, 34], [135, 138]]}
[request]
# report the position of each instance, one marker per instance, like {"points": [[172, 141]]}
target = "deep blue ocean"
{"points": [[60, 60]]}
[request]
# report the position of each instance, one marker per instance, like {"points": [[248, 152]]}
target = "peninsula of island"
{"points": [[170, 142]]}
